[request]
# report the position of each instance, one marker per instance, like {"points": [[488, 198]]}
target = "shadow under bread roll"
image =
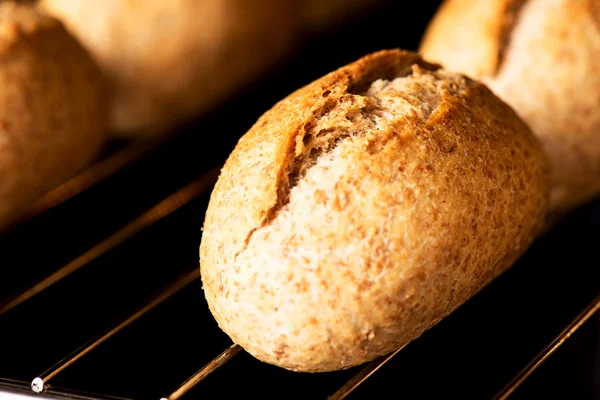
{"points": [[543, 58], [173, 60], [53, 107], [364, 208]]}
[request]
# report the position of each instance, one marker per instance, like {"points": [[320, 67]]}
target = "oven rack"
{"points": [[43, 383]]}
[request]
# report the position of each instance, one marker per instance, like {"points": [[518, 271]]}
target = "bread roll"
{"points": [[53, 107], [365, 207], [170, 60], [543, 58], [174, 60]]}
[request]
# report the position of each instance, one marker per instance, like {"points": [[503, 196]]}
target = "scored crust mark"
{"points": [[310, 143], [308, 147], [292, 171], [377, 106], [595, 12], [390, 72], [360, 106], [511, 14], [361, 86]]}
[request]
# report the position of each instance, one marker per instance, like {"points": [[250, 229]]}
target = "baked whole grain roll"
{"points": [[365, 207], [53, 107], [543, 58], [172, 60]]}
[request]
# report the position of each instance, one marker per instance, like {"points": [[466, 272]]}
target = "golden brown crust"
{"points": [[54, 103], [506, 23], [365, 207], [549, 75]]}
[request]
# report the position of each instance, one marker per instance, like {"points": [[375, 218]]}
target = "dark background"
{"points": [[471, 354]]}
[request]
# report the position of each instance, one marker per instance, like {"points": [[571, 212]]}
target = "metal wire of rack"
{"points": [[41, 383]]}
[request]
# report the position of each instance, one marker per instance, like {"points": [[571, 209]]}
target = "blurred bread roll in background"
{"points": [[543, 58], [53, 107], [173, 60]]}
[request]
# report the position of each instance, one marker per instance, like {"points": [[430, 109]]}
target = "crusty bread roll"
{"points": [[170, 60], [364, 208], [543, 58], [53, 107]]}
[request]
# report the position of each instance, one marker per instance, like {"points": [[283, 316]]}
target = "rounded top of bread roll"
{"points": [[543, 58], [363, 208], [54, 103]]}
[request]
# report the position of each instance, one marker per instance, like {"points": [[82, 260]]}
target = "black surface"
{"points": [[471, 354]]}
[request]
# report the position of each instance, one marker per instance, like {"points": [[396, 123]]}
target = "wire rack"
{"points": [[44, 314], [100, 293]]}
